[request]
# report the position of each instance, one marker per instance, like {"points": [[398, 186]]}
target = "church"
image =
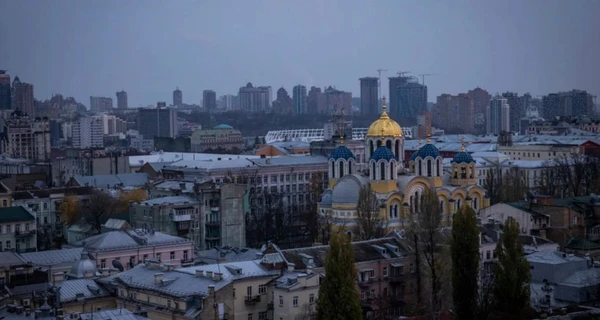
{"points": [[397, 187]]}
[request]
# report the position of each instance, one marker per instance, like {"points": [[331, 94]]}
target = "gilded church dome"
{"points": [[384, 126]]}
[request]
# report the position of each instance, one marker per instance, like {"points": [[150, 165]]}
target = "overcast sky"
{"points": [[82, 48]]}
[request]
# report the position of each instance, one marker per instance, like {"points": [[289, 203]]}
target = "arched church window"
{"points": [[442, 206], [463, 172], [417, 209], [378, 143], [439, 165], [475, 203], [333, 169], [371, 149], [391, 170], [457, 204], [388, 144], [382, 171], [350, 167], [412, 204], [420, 168], [455, 173], [429, 167], [341, 169], [398, 150], [373, 171]]}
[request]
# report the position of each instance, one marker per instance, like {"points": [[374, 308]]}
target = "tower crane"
{"points": [[424, 75], [402, 73]]}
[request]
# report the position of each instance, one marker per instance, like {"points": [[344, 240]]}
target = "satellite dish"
{"points": [[117, 264]]}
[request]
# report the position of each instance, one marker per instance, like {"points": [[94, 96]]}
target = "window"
{"points": [[168, 303], [488, 255], [262, 289], [103, 263], [185, 255], [385, 271], [262, 315], [4, 203], [281, 301], [574, 220], [145, 257], [295, 301], [411, 267], [158, 256], [249, 291], [311, 298], [249, 316], [172, 255]]}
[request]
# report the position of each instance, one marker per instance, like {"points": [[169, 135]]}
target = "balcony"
{"points": [[24, 234], [366, 302], [252, 300], [187, 262], [213, 222], [214, 209], [365, 282], [396, 278], [179, 216]]}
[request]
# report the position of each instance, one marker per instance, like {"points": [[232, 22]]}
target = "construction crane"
{"points": [[424, 75], [402, 73]]}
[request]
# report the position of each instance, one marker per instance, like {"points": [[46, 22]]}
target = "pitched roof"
{"points": [[10, 259], [52, 257], [15, 214], [113, 180], [126, 239], [71, 290]]}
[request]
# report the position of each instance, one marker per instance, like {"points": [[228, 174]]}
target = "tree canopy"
{"points": [[511, 272], [338, 295], [465, 263]]}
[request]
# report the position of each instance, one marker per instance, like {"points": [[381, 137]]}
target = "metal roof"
{"points": [[52, 257], [71, 290]]}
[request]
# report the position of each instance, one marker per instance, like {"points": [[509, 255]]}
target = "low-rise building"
{"points": [[18, 229], [110, 181], [223, 137], [131, 247], [57, 263], [84, 296]]}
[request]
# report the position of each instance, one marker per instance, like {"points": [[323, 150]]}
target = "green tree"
{"points": [[511, 272], [465, 263], [338, 294]]}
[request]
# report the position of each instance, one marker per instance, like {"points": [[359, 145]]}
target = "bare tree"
{"points": [[485, 302], [307, 312], [432, 249], [514, 186], [98, 209], [570, 175], [370, 224], [311, 215], [493, 184]]}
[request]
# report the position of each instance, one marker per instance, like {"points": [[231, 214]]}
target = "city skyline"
{"points": [[114, 45]]}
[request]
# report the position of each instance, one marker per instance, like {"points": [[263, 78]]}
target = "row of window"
{"points": [[8, 228]]}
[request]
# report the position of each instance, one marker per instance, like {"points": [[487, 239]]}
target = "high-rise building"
{"points": [[394, 83], [27, 138], [122, 99], [312, 101], [333, 100], [112, 124], [454, 113], [411, 100], [5, 92], [23, 97], [209, 100], [369, 96], [300, 99], [283, 104], [481, 100], [88, 132], [517, 109], [228, 102], [157, 122], [253, 99], [177, 97], [570, 103], [498, 115], [101, 104]]}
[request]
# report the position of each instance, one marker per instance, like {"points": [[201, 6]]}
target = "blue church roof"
{"points": [[462, 157], [223, 126], [428, 150], [413, 156], [384, 153], [342, 152]]}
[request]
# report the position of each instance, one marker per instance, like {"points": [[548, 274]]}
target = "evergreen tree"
{"points": [[511, 272], [465, 263], [338, 295]]}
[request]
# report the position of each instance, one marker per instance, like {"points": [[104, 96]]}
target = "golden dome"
{"points": [[384, 126]]}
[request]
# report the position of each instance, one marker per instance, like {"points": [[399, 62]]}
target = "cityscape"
{"points": [[387, 192]]}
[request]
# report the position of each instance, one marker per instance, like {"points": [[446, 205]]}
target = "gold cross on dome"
{"points": [[382, 132]]}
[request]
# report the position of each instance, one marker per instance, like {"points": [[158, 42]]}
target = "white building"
{"points": [[498, 116], [88, 132]]}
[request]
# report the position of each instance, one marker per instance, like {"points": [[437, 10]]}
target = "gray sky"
{"points": [[82, 48]]}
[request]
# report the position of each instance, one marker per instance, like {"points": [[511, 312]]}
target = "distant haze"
{"points": [[147, 48]]}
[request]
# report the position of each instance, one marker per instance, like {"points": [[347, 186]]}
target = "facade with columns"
{"points": [[398, 189]]}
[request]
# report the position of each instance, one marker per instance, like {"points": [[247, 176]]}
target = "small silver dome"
{"points": [[84, 268], [347, 189]]}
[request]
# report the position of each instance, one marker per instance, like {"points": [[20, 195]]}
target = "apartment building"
{"points": [[18, 230], [386, 273], [26, 137], [68, 163], [221, 210], [88, 132], [175, 215], [223, 137], [295, 295]]}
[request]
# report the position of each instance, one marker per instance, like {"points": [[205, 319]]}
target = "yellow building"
{"points": [[397, 188]]}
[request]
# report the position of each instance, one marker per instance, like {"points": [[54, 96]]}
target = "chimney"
{"points": [[211, 290], [268, 161], [218, 276], [158, 278], [259, 255], [209, 274], [199, 273], [309, 270], [291, 267]]}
